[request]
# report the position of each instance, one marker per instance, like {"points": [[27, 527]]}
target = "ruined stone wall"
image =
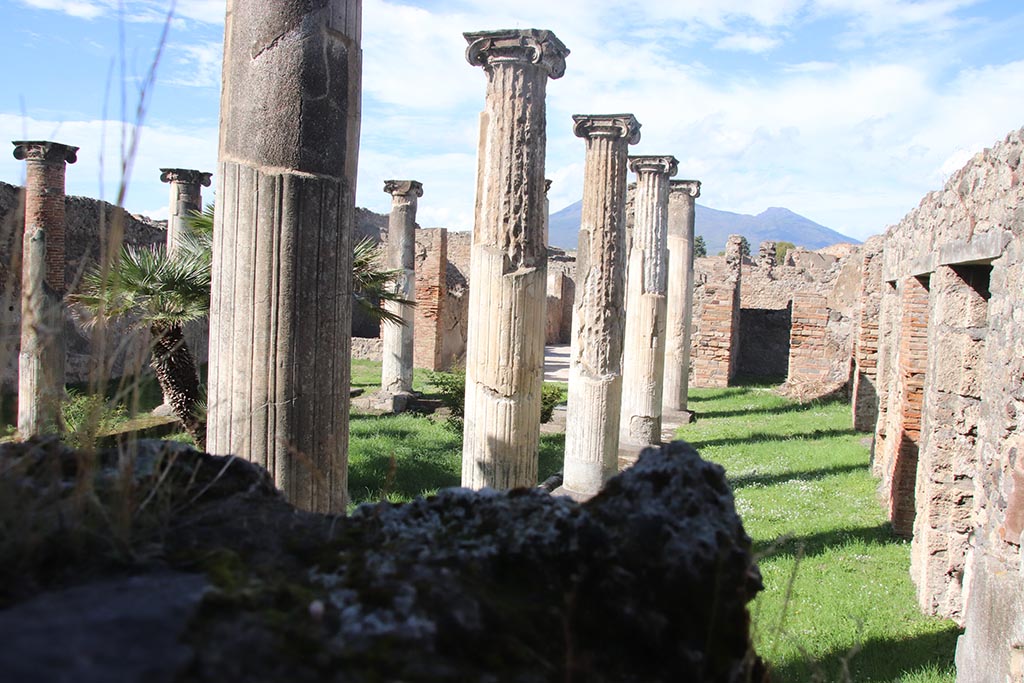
{"points": [[456, 305], [950, 419]]}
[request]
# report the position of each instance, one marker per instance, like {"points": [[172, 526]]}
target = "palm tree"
{"points": [[152, 288], [162, 291]]}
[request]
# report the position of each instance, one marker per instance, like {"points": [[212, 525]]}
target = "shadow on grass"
{"points": [[731, 392], [777, 410], [764, 437], [370, 476], [779, 477], [552, 455], [816, 544], [882, 660]]}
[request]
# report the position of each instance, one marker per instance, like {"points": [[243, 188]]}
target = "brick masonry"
{"points": [[807, 359], [431, 292], [949, 427]]}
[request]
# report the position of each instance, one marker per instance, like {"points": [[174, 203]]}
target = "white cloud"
{"points": [[97, 173], [745, 42], [82, 9], [197, 65], [144, 11]]}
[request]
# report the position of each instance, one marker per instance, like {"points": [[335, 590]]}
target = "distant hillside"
{"points": [[771, 224]]}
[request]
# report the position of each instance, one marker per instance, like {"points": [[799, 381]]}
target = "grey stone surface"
{"points": [[508, 267], [118, 629], [280, 320]]}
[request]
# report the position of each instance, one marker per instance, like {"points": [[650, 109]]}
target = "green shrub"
{"points": [[551, 395], [451, 389], [87, 416]]}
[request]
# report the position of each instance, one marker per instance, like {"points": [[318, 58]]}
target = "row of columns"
{"points": [[620, 317], [280, 300]]}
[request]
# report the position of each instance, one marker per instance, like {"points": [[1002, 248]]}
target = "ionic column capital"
{"points": [[185, 175], [607, 125], [666, 164], [524, 46], [690, 187], [45, 151], [403, 187]]}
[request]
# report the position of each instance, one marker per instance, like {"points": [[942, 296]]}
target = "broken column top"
{"points": [[547, 185], [691, 187], [663, 163], [530, 45], [44, 150], [403, 187], [185, 175], [607, 125]]}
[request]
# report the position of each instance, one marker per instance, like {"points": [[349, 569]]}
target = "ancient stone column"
{"points": [[397, 340], [186, 196], [681, 199], [281, 300], [508, 267], [595, 367], [41, 360], [643, 358]]}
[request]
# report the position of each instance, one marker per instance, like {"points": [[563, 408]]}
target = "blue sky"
{"points": [[846, 111]]}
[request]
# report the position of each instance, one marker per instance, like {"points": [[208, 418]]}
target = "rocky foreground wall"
{"points": [[648, 581], [949, 436]]}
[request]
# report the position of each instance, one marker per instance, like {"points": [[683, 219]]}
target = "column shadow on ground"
{"points": [[810, 545], [881, 660], [761, 437]]}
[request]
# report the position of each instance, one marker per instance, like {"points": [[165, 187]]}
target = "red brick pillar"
{"points": [[808, 360], [41, 360], [865, 353], [431, 288], [911, 369]]}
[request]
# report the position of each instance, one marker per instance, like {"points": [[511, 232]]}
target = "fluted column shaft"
{"points": [[397, 340], [508, 267], [681, 199], [643, 363], [280, 321], [595, 369], [41, 358], [186, 197]]}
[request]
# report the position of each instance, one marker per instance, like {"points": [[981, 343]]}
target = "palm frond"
{"points": [[372, 285]]}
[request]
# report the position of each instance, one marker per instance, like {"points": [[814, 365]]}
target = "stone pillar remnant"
{"points": [[41, 360], [681, 209], [505, 348], [397, 339], [186, 197], [282, 285], [431, 289], [643, 358], [595, 367]]}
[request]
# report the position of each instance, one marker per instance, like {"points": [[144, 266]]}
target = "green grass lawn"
{"points": [[838, 596]]}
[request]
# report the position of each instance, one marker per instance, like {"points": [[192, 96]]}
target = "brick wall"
{"points": [[716, 319], [431, 292], [865, 354], [808, 361]]}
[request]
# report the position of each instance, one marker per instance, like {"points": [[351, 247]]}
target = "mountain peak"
{"points": [[774, 223]]}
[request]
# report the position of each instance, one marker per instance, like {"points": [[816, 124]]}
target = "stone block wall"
{"points": [[950, 394], [431, 292]]}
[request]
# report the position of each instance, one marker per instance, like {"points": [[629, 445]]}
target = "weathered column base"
{"points": [[280, 331], [504, 375], [642, 371], [600, 396]]}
